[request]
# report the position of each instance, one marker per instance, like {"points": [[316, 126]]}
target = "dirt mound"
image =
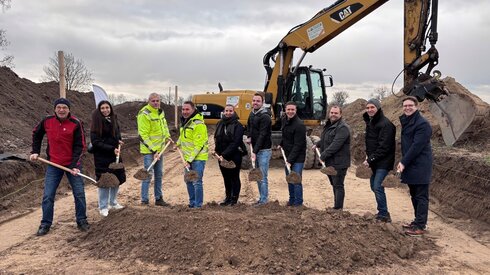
{"points": [[269, 239]]}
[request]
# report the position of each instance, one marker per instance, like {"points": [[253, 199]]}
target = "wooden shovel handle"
{"points": [[285, 160], [159, 156], [319, 157], [64, 168], [251, 152], [118, 153]]}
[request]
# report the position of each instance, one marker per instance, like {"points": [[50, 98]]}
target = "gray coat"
{"points": [[335, 144]]}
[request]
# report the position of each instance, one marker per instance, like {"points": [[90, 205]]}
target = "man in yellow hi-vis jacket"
{"points": [[193, 141], [153, 132]]}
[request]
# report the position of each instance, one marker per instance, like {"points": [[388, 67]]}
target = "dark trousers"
{"points": [[337, 183], [419, 194], [232, 183]]}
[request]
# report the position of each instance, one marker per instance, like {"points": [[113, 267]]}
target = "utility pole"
{"points": [[61, 63]]}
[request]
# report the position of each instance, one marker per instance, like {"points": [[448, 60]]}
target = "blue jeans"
{"points": [[107, 196], [296, 190], [379, 191], [262, 162], [194, 188], [157, 171], [51, 182]]}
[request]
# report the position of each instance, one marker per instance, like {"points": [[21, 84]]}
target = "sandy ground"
{"points": [[22, 252]]}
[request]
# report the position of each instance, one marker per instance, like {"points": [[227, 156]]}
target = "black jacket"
{"points": [[228, 137], [259, 128], [335, 144], [294, 139], [104, 146], [416, 149], [380, 141]]}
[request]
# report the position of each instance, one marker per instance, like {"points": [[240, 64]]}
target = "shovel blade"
{"points": [[227, 164], [329, 171], [116, 166], [255, 175], [107, 180], [141, 174], [293, 178], [191, 176]]}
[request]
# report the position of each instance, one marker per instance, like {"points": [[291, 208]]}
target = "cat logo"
{"points": [[344, 13]]}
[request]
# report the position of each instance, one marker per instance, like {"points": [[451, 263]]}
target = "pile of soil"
{"points": [[268, 239]]}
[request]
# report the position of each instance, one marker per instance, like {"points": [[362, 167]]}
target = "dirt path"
{"points": [[22, 252]]}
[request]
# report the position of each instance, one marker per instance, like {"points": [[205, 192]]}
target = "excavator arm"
{"points": [[455, 113]]}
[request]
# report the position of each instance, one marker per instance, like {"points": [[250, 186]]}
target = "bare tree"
{"points": [[181, 101], [379, 93], [6, 60], [117, 98], [77, 76], [339, 98], [167, 98]]}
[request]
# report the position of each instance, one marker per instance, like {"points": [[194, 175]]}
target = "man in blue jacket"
{"points": [[416, 163]]}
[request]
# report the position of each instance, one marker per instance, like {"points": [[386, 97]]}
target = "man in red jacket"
{"points": [[66, 142]]}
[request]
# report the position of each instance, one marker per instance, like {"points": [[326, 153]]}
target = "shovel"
{"points": [[143, 173], [292, 177], [117, 164], [255, 174], [191, 175], [66, 169], [225, 163], [330, 171]]}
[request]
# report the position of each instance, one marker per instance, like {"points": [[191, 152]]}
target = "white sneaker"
{"points": [[104, 212], [117, 206]]}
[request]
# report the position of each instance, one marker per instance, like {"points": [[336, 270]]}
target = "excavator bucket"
{"points": [[460, 114]]}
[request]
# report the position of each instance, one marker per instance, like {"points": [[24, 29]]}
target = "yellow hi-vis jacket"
{"points": [[152, 129], [193, 139]]}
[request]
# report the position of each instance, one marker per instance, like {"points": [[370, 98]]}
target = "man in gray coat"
{"points": [[335, 151]]}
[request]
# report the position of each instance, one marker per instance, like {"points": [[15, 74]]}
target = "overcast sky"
{"points": [[137, 47]]}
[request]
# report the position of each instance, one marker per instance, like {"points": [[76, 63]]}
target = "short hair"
{"points": [[230, 105], [411, 98], [190, 103], [261, 94], [336, 106], [291, 103], [153, 95]]}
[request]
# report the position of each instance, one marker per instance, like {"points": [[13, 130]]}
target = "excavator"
{"points": [[307, 86]]}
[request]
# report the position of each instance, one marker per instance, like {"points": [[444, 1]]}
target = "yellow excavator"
{"points": [[307, 86]]}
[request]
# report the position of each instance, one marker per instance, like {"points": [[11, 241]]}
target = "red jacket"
{"points": [[66, 140]]}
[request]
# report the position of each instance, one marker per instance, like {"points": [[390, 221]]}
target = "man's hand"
{"points": [[313, 147], [75, 171], [116, 151], [33, 157], [187, 166], [400, 167], [156, 156], [248, 140], [121, 142], [252, 156], [366, 163]]}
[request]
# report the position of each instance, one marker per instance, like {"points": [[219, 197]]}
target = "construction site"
{"points": [[246, 237]]}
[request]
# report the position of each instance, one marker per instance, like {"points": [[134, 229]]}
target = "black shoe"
{"points": [[83, 226], [226, 202], [386, 218], [144, 203], [161, 202], [43, 230]]}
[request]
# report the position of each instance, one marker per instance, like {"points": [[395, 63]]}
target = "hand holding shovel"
{"points": [[325, 170], [292, 177], [143, 173], [190, 175], [117, 164], [255, 174], [225, 163], [66, 169]]}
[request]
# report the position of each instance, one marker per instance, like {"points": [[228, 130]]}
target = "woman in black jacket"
{"points": [[228, 140], [106, 137]]}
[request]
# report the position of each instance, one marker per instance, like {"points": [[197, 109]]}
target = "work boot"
{"points": [[233, 200], [43, 230], [83, 226], [161, 202], [386, 218], [226, 202], [408, 225], [415, 232]]}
